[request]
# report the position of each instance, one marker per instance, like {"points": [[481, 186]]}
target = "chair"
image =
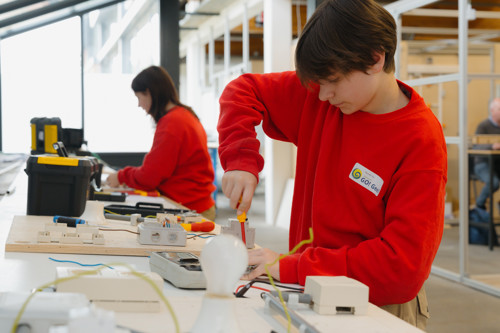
{"points": [[492, 238], [479, 139], [473, 178]]}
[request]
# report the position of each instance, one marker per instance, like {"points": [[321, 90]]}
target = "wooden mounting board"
{"points": [[24, 230]]}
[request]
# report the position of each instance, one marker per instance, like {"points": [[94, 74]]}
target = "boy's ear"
{"points": [[379, 58]]}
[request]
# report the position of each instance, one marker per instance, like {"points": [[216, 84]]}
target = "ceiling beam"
{"points": [[38, 12], [398, 7], [82, 8], [13, 5], [444, 31], [451, 13]]}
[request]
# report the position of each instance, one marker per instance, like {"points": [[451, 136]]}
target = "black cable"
{"points": [[245, 288], [301, 289], [128, 329]]}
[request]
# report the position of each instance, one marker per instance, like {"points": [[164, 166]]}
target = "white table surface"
{"points": [[26, 271]]}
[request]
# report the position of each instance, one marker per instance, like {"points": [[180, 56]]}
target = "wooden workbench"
{"points": [[24, 230]]}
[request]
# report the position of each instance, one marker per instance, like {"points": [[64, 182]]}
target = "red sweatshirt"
{"points": [[371, 186], [178, 164]]}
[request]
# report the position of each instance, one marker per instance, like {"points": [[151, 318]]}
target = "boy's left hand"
{"points": [[261, 257]]}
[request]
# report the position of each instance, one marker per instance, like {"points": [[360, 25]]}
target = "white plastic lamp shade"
{"points": [[223, 260], [94, 213]]}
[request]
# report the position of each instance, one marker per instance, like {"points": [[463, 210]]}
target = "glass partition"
{"points": [[458, 77], [483, 262], [442, 98], [448, 254]]}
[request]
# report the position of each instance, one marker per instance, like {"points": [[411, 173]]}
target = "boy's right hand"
{"points": [[236, 185]]}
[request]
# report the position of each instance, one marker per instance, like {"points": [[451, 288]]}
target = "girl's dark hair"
{"points": [[342, 36], [162, 90]]}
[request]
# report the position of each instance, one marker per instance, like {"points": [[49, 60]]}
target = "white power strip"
{"points": [[49, 309], [114, 289]]}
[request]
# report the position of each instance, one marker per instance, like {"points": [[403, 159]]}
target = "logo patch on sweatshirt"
{"points": [[366, 178]]}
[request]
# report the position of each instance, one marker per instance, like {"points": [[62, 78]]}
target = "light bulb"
{"points": [[223, 261]]}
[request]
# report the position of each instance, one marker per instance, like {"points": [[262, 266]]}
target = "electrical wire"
{"points": [[271, 280], [281, 285], [78, 263], [115, 213], [241, 290], [202, 235], [109, 229], [251, 286], [93, 272]]}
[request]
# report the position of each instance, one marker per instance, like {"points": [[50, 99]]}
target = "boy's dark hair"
{"points": [[162, 90], [342, 36]]}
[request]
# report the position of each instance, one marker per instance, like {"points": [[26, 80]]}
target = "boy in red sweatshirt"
{"points": [[371, 158]]}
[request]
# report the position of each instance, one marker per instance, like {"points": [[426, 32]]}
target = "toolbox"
{"points": [[60, 185]]}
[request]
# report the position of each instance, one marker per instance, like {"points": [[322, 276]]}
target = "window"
{"points": [[119, 41], [40, 78]]}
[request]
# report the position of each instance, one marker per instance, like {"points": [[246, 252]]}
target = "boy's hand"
{"points": [[261, 257], [236, 185]]}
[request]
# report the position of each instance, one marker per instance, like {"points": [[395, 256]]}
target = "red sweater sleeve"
{"points": [[245, 103], [158, 164]]}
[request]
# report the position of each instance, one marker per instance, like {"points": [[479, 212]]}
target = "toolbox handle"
{"points": [[149, 205]]}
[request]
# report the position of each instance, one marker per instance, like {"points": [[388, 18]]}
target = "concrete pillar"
{"points": [[279, 162], [193, 88], [169, 39]]}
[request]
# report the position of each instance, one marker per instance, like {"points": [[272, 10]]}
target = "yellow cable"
{"points": [[114, 213], [92, 272], [111, 212], [271, 280]]}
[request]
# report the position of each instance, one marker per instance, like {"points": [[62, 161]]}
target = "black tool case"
{"points": [[59, 185]]}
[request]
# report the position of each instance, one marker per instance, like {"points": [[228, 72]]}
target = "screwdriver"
{"points": [[242, 218]]}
